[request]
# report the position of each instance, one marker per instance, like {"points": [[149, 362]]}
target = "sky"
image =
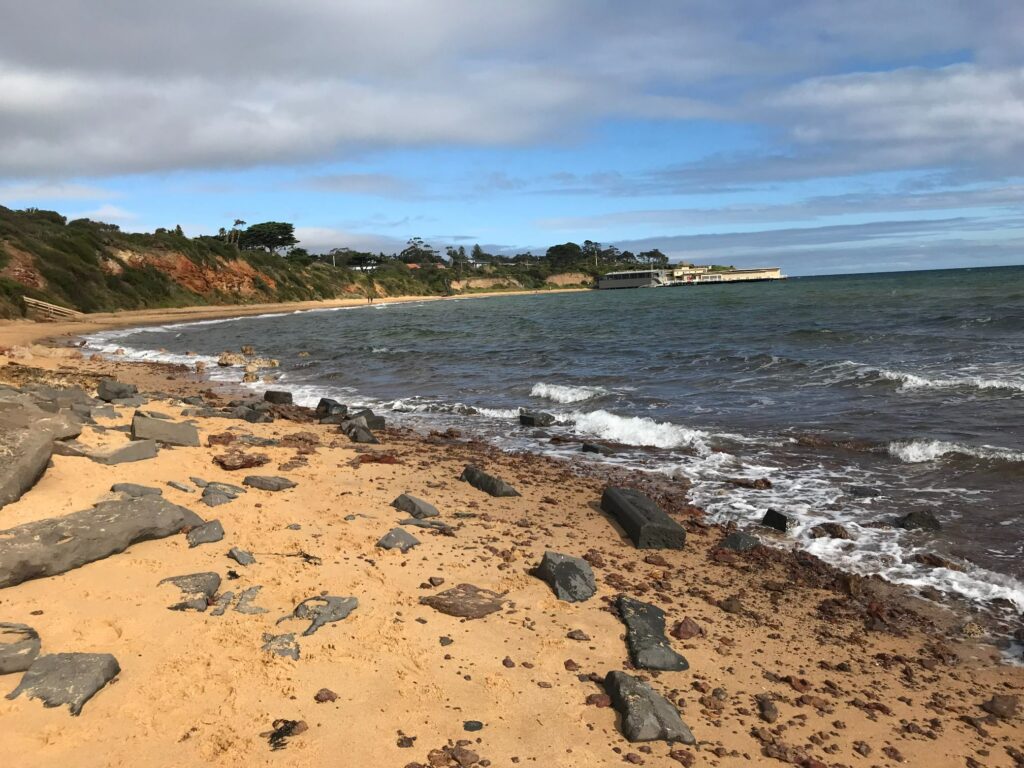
{"points": [[822, 136]]}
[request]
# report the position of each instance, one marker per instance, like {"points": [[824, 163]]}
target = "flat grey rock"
{"points": [[130, 402], [245, 601], [197, 589], [138, 450], [269, 482], [163, 431], [215, 498], [482, 481], [207, 533], [398, 538], [112, 389], [134, 490], [199, 482], [281, 645], [222, 603], [433, 525], [58, 544], [183, 487], [646, 714], [321, 610], [240, 556], [233, 491], [571, 578], [414, 506], [645, 636], [643, 520], [19, 646], [359, 434], [738, 541], [67, 678]]}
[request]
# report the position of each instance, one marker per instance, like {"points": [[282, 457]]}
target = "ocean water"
{"points": [[859, 397]]}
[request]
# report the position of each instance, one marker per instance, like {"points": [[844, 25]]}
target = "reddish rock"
{"points": [[687, 629]]}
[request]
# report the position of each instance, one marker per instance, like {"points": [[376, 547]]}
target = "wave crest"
{"points": [[640, 431], [920, 451], [561, 393]]}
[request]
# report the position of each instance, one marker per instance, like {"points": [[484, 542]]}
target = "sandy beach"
{"points": [[789, 661]]}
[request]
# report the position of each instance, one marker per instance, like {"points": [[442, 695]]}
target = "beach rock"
{"points": [[687, 629], [372, 420], [830, 531], [398, 538], [19, 646], [207, 533], [329, 407], [358, 433], [334, 418], [536, 419], [776, 520], [603, 450], [571, 578], [482, 481], [931, 560], [112, 389], [863, 491], [738, 541], [229, 359], [643, 520], [134, 490], [164, 431], [214, 498], [67, 678], [646, 715], [222, 603], [414, 506], [245, 601], [645, 636], [55, 545], [919, 520], [27, 435], [269, 482], [321, 610], [240, 556], [766, 708], [139, 450], [433, 525], [1002, 705], [578, 634], [466, 601], [229, 490], [234, 460], [281, 645], [197, 589], [180, 486], [325, 695], [278, 397]]}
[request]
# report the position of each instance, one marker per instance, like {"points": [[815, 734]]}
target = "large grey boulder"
{"points": [[482, 481], [58, 544], [112, 389], [328, 407], [373, 421], [19, 646], [645, 636], [536, 419], [269, 482], [27, 435], [321, 610], [643, 520], [358, 431], [414, 506], [398, 538], [67, 678], [164, 431], [278, 397], [646, 714], [570, 577]]}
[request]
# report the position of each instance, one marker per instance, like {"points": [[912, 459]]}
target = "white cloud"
{"points": [[35, 192], [105, 213]]}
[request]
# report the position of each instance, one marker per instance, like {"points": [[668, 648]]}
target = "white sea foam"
{"points": [[912, 381], [499, 413], [561, 393], [640, 431], [920, 451]]}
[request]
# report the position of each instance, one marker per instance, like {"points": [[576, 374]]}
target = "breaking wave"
{"points": [[911, 381], [640, 431], [561, 393], [920, 451]]}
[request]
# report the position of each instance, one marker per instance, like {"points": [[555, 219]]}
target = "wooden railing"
{"points": [[44, 311]]}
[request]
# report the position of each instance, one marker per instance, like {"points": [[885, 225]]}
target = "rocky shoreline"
{"points": [[226, 576]]}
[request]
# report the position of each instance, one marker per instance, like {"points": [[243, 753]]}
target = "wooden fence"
{"points": [[40, 310]]}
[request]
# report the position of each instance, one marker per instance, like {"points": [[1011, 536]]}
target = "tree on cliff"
{"points": [[270, 235]]}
